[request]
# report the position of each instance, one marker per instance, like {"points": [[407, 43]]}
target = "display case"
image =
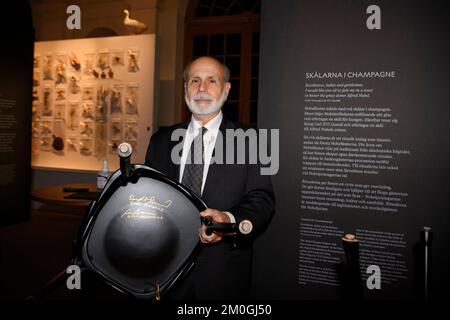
{"points": [[89, 95]]}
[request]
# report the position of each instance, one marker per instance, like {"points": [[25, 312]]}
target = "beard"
{"points": [[207, 110]]}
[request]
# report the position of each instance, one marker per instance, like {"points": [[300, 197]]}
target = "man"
{"points": [[233, 192]]}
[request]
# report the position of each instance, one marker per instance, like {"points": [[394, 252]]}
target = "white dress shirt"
{"points": [[209, 141]]}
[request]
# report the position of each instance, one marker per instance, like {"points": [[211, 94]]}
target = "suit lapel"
{"points": [[174, 169]]}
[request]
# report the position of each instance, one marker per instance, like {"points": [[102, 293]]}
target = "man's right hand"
{"points": [[216, 216]]}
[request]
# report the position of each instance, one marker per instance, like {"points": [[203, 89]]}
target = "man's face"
{"points": [[205, 91]]}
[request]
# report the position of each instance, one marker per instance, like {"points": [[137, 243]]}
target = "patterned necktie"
{"points": [[193, 169]]}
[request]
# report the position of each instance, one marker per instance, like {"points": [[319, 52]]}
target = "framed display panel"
{"points": [[363, 122], [89, 95]]}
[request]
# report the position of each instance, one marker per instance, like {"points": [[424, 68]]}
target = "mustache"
{"points": [[202, 96]]}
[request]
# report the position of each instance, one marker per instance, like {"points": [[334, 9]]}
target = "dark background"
{"points": [[16, 65]]}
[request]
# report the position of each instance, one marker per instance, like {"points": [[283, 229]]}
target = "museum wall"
{"points": [[165, 18]]}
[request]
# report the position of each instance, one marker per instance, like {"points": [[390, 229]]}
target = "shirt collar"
{"points": [[213, 125]]}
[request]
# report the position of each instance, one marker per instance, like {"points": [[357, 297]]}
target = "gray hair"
{"points": [[226, 70]]}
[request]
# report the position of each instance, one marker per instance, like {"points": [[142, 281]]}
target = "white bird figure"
{"points": [[133, 26]]}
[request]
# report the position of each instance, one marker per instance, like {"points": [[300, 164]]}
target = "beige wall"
{"points": [[163, 17]]}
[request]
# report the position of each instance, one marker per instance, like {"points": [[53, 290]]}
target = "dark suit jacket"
{"points": [[222, 270]]}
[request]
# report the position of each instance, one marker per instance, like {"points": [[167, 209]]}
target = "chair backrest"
{"points": [[142, 232]]}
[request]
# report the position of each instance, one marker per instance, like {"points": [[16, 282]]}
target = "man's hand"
{"points": [[216, 216]]}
